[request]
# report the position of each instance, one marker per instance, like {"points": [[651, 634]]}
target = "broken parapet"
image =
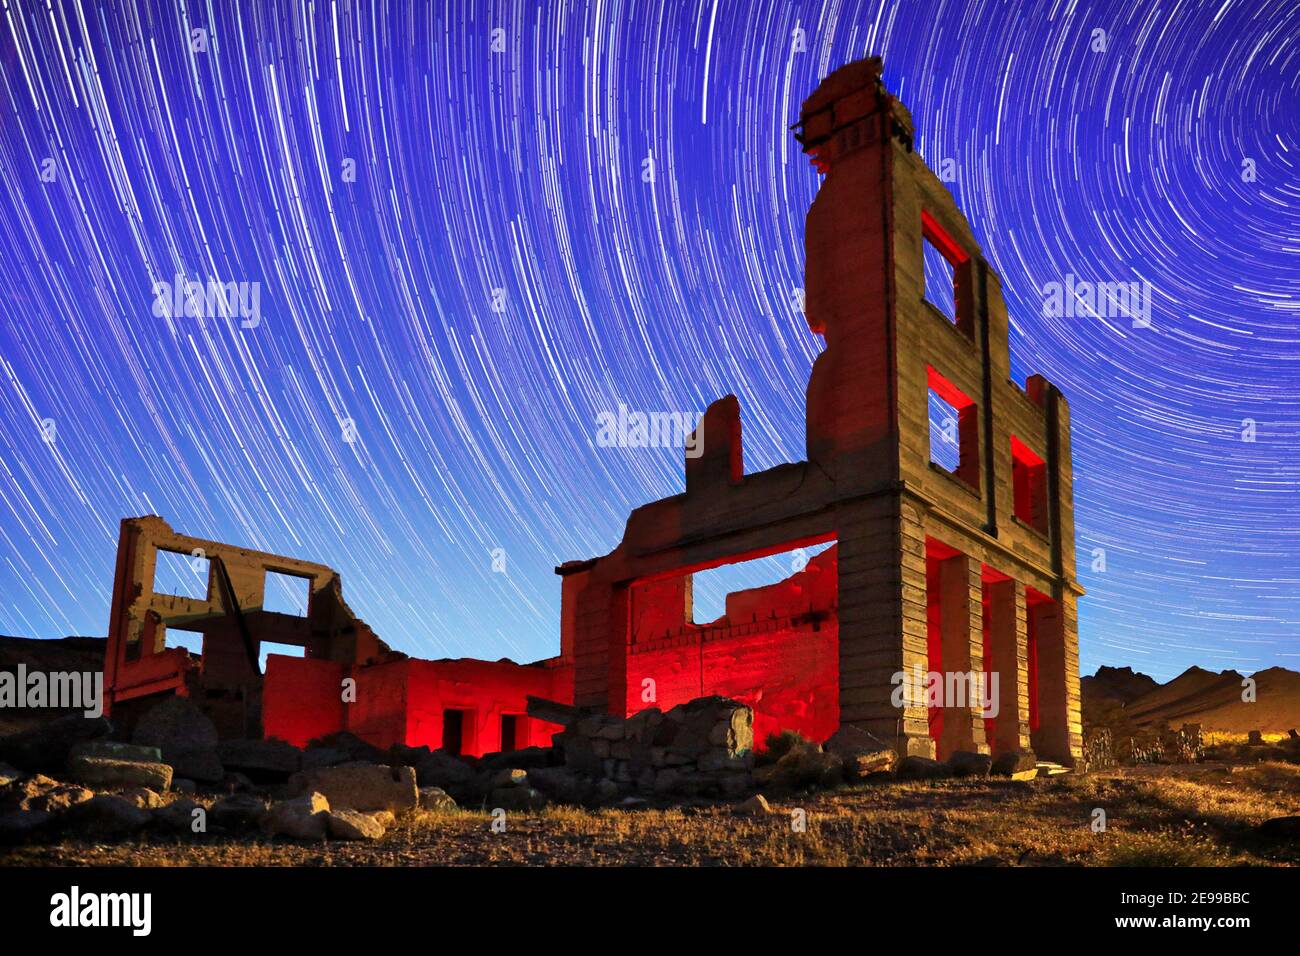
{"points": [[701, 748], [231, 618]]}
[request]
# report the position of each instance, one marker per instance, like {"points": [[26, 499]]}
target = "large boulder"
{"points": [[362, 786], [263, 761], [9, 775], [105, 816], [186, 737], [104, 772], [303, 818], [863, 753], [46, 748]]}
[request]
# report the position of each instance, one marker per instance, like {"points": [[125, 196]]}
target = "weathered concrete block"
{"points": [[101, 772], [360, 786]]}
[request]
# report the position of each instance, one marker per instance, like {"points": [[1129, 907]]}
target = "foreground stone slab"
{"points": [[362, 786], [102, 772]]}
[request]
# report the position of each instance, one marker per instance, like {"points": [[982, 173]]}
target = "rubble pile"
{"points": [[176, 776]]}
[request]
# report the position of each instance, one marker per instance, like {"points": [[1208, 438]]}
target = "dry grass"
{"points": [[1197, 816]]}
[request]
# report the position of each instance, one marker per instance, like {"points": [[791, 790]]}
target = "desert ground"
{"points": [[1157, 815]]}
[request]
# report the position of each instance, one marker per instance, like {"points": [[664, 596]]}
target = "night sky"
{"points": [[464, 258]]}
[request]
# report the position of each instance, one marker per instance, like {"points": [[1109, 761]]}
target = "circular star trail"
{"points": [[474, 227]]}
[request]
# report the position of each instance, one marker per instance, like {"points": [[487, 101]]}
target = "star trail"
{"points": [[475, 227]]}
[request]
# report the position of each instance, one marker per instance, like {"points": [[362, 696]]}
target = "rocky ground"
{"points": [[682, 787], [1202, 815]]}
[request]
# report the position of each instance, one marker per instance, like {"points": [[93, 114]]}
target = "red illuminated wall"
{"points": [[775, 649], [404, 700]]}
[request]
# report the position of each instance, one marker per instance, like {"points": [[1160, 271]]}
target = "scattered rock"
{"points": [[362, 786], [553, 712], [561, 783], [510, 777], [1011, 762], [113, 750], [805, 766], [301, 818], [204, 765], [177, 816], [967, 763], [862, 752], [435, 798], [60, 798], [517, 798], [264, 761], [105, 816], [356, 749], [353, 825], [143, 797], [441, 769], [46, 748], [238, 811], [186, 737], [755, 806], [1280, 828], [527, 759], [104, 772], [920, 768], [17, 825], [314, 758]]}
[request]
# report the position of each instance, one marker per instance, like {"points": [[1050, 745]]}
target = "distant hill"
{"points": [[1198, 696], [1118, 683], [55, 654]]}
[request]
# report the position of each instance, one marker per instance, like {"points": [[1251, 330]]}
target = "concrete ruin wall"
{"points": [[937, 570], [230, 616]]}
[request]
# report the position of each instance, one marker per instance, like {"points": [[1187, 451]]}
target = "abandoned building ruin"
{"points": [[929, 569]]}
